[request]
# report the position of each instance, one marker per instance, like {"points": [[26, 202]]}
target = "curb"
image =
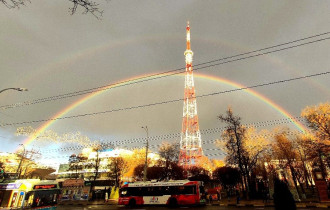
{"points": [[73, 203], [299, 205], [244, 204], [67, 203]]}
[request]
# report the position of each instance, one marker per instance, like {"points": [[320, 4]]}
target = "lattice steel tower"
{"points": [[191, 142]]}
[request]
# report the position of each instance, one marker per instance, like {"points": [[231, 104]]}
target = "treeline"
{"points": [[253, 158]]}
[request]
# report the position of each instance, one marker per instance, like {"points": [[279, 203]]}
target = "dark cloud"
{"points": [[49, 52]]}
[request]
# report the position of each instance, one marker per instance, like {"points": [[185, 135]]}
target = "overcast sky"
{"points": [[45, 49]]}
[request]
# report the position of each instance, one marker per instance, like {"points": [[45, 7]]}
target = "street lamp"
{"points": [[18, 89], [146, 162], [20, 163]]}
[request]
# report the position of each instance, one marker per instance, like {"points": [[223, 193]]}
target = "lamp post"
{"points": [[20, 163], [146, 162], [17, 89]]}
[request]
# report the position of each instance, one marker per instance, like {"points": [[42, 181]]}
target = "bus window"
{"points": [[154, 191], [180, 190], [173, 190], [123, 192], [149, 191], [190, 190]]}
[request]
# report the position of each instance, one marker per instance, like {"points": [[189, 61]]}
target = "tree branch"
{"points": [[14, 3], [88, 6]]}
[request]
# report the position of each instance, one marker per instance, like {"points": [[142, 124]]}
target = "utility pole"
{"points": [[20, 163], [146, 162]]}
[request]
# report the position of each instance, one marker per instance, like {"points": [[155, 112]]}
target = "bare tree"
{"points": [[14, 3], [170, 155], [169, 152], [227, 176], [138, 172], [76, 163], [96, 164], [117, 167], [88, 6], [284, 150], [318, 119], [234, 136], [303, 146]]}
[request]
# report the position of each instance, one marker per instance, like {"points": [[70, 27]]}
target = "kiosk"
{"points": [[29, 193]]}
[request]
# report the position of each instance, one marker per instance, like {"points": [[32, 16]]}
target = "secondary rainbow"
{"points": [[77, 103]]}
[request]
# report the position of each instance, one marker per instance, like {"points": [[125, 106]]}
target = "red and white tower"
{"points": [[191, 142]]}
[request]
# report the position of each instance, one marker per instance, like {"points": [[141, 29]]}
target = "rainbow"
{"points": [[82, 100]]}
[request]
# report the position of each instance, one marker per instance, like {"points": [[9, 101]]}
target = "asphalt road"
{"points": [[90, 207]]}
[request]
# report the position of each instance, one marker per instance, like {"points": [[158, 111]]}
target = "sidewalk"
{"points": [[85, 203], [260, 203], [224, 202]]}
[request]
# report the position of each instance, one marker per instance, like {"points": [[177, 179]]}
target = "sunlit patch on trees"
{"points": [[49, 135]]}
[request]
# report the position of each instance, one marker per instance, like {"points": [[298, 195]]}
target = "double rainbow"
{"points": [[90, 96]]}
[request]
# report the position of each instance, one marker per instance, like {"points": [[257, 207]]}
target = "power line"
{"points": [[113, 143], [157, 146], [165, 102], [172, 72]]}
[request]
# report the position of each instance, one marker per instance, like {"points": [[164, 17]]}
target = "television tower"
{"points": [[191, 143]]}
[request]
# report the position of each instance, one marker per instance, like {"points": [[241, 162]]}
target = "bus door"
{"points": [[202, 195]]}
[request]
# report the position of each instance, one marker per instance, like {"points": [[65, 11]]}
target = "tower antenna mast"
{"points": [[191, 143]]}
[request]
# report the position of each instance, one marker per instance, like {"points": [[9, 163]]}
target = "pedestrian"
{"points": [[264, 195], [237, 196], [106, 197], [283, 199], [267, 195]]}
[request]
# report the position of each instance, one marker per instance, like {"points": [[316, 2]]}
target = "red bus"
{"points": [[171, 193]]}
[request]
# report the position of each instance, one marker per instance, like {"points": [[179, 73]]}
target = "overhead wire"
{"points": [[113, 144], [171, 72], [165, 102], [260, 85]]}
